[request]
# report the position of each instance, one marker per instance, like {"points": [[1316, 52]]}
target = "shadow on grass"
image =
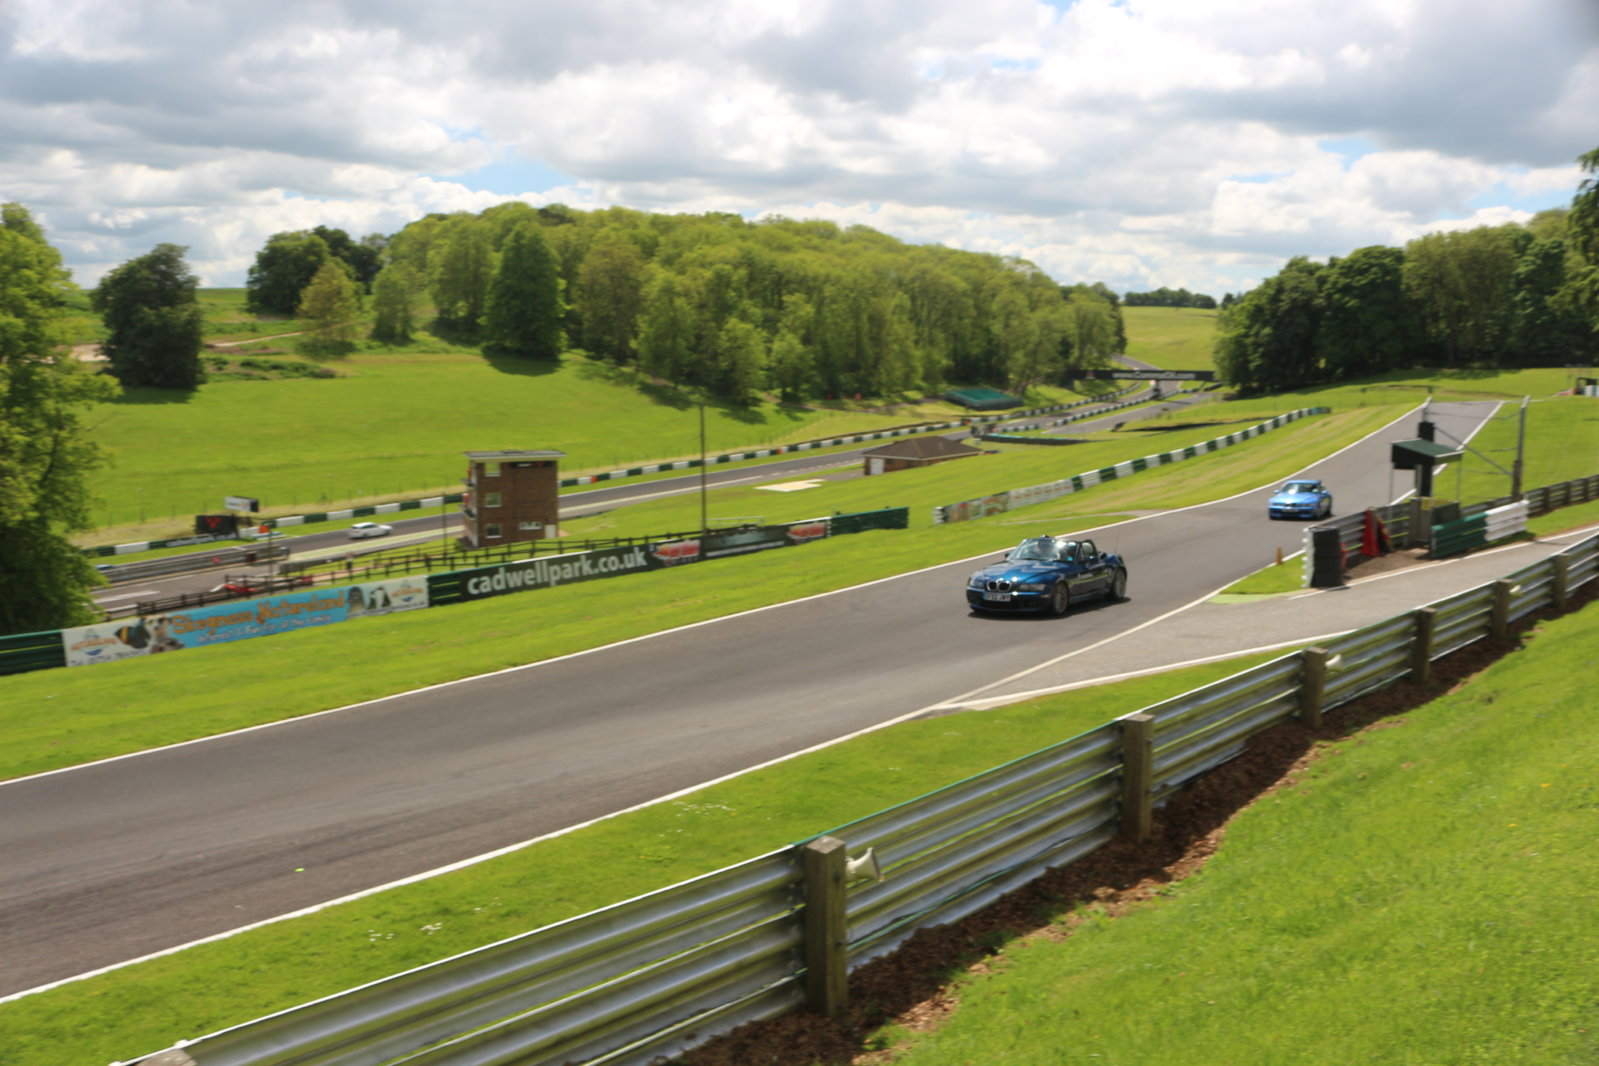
{"points": [[506, 363], [910, 987], [144, 395]]}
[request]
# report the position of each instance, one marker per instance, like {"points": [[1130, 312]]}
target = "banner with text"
{"points": [[219, 623]]}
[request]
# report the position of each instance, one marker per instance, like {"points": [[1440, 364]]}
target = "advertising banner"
{"points": [[523, 574], [538, 573], [219, 623]]}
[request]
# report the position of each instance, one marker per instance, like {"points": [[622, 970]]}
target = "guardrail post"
{"points": [[826, 969], [169, 1057], [1138, 773], [1421, 645], [1561, 581], [1312, 685], [1499, 615]]}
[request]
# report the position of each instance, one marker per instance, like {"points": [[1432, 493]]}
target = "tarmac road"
{"points": [[121, 858]]}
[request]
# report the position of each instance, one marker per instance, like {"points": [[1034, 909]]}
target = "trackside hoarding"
{"points": [[524, 574], [219, 623]]}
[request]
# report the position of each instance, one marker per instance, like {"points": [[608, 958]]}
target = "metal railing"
{"points": [[656, 975], [442, 561]]}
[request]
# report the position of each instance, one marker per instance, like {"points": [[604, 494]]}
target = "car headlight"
{"points": [[1031, 586], [975, 581]]}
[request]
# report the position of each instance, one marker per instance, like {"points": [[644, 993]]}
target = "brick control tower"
{"points": [[511, 496]]}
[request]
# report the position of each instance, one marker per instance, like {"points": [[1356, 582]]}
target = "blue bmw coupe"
{"points": [[1300, 498], [1047, 574]]}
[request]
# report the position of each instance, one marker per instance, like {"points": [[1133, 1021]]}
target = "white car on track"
{"points": [[362, 530]]}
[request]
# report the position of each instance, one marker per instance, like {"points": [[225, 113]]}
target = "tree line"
{"points": [[713, 303], [1164, 297], [1501, 296]]}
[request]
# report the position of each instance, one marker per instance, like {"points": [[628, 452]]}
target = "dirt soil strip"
{"points": [[913, 986]]}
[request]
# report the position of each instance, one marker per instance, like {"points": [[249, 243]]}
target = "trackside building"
{"points": [[511, 496]]}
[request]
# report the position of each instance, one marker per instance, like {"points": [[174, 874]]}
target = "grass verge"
{"points": [[1420, 889], [142, 1008]]}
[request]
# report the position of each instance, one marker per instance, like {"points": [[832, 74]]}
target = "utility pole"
{"points": [[705, 524]]}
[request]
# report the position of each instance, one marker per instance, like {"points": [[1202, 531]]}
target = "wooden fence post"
{"points": [[1421, 645], [826, 960], [1312, 685], [1499, 614], [1561, 581], [1138, 772]]}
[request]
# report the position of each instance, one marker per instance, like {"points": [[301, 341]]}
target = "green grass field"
{"points": [[1173, 338], [1424, 894]]}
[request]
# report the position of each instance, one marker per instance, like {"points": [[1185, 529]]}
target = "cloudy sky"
{"points": [[1186, 143]]}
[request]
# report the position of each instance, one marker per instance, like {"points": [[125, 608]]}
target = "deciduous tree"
{"points": [[611, 297], [46, 451], [153, 320], [460, 270], [393, 296], [330, 304], [282, 270], [524, 302]]}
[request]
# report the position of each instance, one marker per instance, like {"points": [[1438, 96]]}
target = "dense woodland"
{"points": [[1494, 296], [713, 303]]}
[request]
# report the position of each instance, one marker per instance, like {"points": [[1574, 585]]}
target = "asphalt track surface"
{"points": [[122, 858]]}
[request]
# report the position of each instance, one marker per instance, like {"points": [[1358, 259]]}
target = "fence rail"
{"points": [[655, 975]]}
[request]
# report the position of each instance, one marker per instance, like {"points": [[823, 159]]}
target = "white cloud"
{"points": [[1139, 142]]}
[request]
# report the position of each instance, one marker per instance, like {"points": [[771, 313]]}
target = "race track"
{"points": [[118, 859]]}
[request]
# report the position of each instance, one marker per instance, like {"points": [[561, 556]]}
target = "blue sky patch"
{"points": [[510, 177]]}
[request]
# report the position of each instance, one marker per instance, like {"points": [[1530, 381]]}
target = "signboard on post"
{"points": [[242, 503]]}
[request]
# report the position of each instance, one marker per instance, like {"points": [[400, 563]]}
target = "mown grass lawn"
{"points": [[1427, 893]]}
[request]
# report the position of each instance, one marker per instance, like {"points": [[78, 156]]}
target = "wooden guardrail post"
{"points": [[826, 961], [1561, 581], [1312, 685], [1138, 773], [1421, 645], [1499, 614]]}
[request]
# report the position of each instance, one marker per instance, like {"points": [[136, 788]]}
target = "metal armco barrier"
{"points": [[204, 560], [654, 976], [1481, 529]]}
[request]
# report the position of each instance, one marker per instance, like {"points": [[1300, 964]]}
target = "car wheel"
{"points": [[1060, 599], [1118, 586]]}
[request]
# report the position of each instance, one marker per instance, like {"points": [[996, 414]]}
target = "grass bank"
{"points": [[1423, 893]]}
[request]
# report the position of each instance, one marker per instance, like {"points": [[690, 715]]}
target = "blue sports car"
{"points": [[1300, 498], [1047, 574]]}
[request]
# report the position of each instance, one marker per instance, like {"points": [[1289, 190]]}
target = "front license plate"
{"points": [[997, 597]]}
